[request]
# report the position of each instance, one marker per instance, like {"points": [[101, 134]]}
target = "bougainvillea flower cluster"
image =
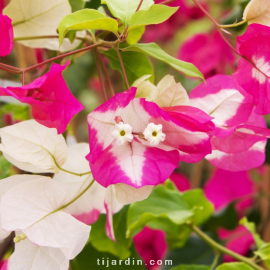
{"points": [[136, 162]]}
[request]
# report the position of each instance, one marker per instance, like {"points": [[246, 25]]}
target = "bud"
{"points": [[17, 239], [118, 119], [22, 236]]}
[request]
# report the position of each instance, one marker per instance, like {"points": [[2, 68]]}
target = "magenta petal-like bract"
{"points": [[253, 73], [53, 105], [6, 35], [137, 163]]}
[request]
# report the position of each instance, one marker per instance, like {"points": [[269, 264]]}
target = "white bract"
{"points": [[33, 147], [37, 208], [153, 133], [34, 18], [258, 11], [167, 93], [97, 199], [122, 133]]}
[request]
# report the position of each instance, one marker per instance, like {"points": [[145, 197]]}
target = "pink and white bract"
{"points": [[253, 73], [137, 163]]}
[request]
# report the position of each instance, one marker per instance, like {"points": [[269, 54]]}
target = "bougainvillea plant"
{"points": [[109, 161]]}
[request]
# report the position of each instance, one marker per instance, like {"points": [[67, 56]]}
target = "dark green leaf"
{"points": [[76, 4], [93, 4], [100, 241], [155, 51], [191, 267], [226, 218], [88, 259], [195, 252], [155, 15], [136, 64]]}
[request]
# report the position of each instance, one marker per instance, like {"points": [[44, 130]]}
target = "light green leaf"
{"points": [[5, 168], [155, 51], [124, 9], [202, 208], [155, 15], [136, 64], [234, 266], [100, 241], [252, 228], [86, 19], [166, 208], [264, 253], [135, 35], [191, 267], [76, 4], [163, 206]]}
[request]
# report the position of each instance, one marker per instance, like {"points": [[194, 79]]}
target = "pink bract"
{"points": [[239, 240], [151, 245], [53, 105], [253, 72], [225, 187], [137, 163], [208, 52], [6, 35], [180, 181]]}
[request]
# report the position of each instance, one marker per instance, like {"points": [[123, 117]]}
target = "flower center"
{"points": [[154, 134], [122, 133]]}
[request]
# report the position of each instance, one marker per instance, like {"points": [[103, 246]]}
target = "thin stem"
{"points": [[229, 44], [10, 70], [220, 248], [139, 6], [107, 75], [23, 78], [76, 198], [215, 262], [10, 67], [166, 2], [123, 67], [232, 25], [87, 48], [206, 12], [64, 170], [100, 75]]}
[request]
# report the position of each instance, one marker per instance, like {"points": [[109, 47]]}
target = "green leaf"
{"points": [[76, 4], [90, 258], [5, 168], [252, 228], [155, 15], [94, 4], [166, 208], [155, 51], [86, 19], [264, 253], [191, 267], [195, 252], [135, 35], [234, 266], [125, 9], [136, 64], [196, 200], [18, 111], [100, 241], [163, 205]]}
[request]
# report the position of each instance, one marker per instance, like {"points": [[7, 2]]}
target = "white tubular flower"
{"points": [[122, 133], [153, 134]]}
